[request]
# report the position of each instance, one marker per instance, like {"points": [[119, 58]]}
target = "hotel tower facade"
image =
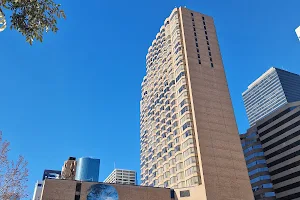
{"points": [[188, 133]]}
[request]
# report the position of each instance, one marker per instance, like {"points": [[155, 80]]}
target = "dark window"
{"points": [[209, 53], [40, 185], [287, 177], [205, 32], [193, 19], [185, 193], [273, 119], [197, 50], [195, 34], [291, 196], [211, 64], [197, 45], [204, 23], [280, 132], [198, 55], [281, 160], [279, 151], [196, 39], [210, 59], [192, 14], [206, 37], [203, 18], [280, 123], [208, 48], [199, 61], [77, 197], [204, 27], [172, 194], [194, 29], [287, 187], [282, 141], [78, 187], [207, 42]]}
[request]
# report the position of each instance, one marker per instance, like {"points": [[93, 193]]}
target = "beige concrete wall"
{"points": [[221, 160], [196, 193], [65, 190]]}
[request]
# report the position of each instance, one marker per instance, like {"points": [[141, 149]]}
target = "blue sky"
{"points": [[77, 93]]}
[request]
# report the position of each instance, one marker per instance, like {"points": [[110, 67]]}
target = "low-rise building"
{"points": [[122, 176], [60, 189]]}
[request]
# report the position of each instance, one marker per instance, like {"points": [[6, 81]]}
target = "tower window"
{"points": [[185, 193]]}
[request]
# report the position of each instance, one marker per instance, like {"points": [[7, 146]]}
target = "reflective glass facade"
{"points": [[273, 89], [87, 169], [258, 171]]}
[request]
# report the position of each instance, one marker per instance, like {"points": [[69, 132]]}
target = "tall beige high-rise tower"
{"points": [[189, 137]]}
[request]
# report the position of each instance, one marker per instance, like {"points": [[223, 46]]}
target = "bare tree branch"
{"points": [[13, 175]]}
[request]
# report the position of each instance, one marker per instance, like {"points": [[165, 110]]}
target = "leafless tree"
{"points": [[13, 174]]}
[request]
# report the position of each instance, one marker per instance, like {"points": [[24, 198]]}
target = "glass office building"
{"points": [[258, 171], [272, 153], [273, 89], [87, 169]]}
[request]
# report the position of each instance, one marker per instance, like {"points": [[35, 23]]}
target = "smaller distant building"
{"points": [[298, 32], [87, 169], [69, 169], [51, 174], [270, 91], [122, 176], [37, 194]]}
